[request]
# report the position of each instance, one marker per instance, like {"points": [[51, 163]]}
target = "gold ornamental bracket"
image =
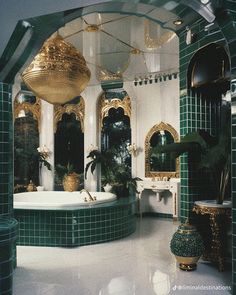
{"points": [[33, 108], [58, 73], [157, 128], [106, 104], [77, 109], [105, 75]]}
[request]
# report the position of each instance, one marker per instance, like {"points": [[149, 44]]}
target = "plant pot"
{"points": [[71, 182], [187, 246], [121, 191], [107, 188], [31, 187]]}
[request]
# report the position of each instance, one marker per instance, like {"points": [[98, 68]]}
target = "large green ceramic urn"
{"points": [[187, 246]]}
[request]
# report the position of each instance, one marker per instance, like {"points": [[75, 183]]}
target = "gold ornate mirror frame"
{"points": [[104, 105], [161, 174], [34, 108], [77, 109]]}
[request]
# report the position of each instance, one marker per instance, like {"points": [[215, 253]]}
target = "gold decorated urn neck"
{"points": [[58, 73]]}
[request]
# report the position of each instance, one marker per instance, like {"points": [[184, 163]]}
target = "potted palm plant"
{"points": [[117, 175], [213, 154], [124, 183]]}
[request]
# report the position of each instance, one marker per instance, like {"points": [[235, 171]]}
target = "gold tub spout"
{"points": [[91, 198]]}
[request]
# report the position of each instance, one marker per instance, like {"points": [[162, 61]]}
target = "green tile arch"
{"points": [[193, 111]]}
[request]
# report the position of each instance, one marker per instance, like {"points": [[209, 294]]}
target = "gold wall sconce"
{"points": [[44, 151], [133, 150]]}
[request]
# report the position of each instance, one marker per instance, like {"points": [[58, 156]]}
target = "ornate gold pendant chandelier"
{"points": [[58, 73]]}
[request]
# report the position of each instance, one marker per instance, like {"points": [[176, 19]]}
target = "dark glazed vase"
{"points": [[187, 246]]}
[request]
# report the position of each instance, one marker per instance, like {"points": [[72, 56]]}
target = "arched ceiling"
{"points": [[119, 45], [32, 30]]}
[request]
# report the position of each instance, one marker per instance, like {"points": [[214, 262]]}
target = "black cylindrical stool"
{"points": [[8, 235]]}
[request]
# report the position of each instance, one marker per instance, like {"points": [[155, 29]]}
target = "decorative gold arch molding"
{"points": [[34, 108], [156, 128], [77, 109], [104, 105]]}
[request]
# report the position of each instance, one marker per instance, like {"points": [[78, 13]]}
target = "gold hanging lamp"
{"points": [[58, 73]]}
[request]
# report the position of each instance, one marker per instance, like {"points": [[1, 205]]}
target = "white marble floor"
{"points": [[140, 264]]}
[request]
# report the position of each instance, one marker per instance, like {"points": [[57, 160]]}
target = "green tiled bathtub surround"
{"points": [[8, 235], [6, 154], [85, 226]]}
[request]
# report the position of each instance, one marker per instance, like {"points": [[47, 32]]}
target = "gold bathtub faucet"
{"points": [[91, 198]]}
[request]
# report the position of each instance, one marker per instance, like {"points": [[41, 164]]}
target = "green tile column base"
{"points": [[8, 234]]}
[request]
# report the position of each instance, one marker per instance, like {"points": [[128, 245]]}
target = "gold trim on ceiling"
{"points": [[34, 108], [105, 75], [77, 109], [154, 129], [153, 43], [105, 105]]}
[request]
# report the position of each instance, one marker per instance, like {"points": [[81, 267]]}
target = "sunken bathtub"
{"points": [[65, 219]]}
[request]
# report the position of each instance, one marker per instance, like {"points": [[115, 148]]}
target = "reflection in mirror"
{"points": [[116, 137], [26, 142], [26, 139], [116, 134], [156, 164], [69, 145], [164, 161]]}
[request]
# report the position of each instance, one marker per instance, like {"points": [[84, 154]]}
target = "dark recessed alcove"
{"points": [[209, 71]]}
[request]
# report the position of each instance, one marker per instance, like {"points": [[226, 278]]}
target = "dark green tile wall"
{"points": [[227, 21], [6, 150], [195, 113], [8, 234]]}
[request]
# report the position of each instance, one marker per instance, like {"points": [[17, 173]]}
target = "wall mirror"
{"points": [[26, 139], [115, 113], [160, 165], [116, 134], [69, 139]]}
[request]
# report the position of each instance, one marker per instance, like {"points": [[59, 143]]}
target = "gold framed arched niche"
{"points": [[22, 105], [154, 130], [77, 109], [27, 111], [104, 105]]}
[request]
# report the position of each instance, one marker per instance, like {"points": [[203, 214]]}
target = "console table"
{"points": [[216, 213], [158, 186]]}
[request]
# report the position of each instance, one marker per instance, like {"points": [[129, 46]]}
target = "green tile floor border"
{"points": [[84, 226]]}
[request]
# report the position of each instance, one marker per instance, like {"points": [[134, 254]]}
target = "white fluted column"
{"points": [[47, 138], [91, 136], [90, 95], [128, 87]]}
